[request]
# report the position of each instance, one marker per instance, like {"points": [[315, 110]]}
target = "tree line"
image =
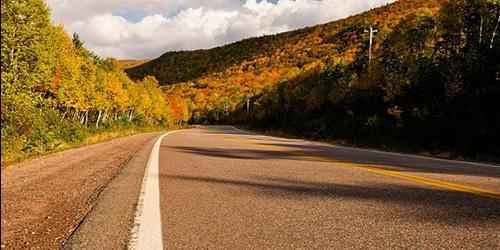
{"points": [[433, 85], [55, 91], [214, 82]]}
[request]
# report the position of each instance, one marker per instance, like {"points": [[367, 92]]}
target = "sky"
{"points": [[145, 29]]}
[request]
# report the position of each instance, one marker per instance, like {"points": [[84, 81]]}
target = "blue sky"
{"points": [[130, 14], [135, 15], [137, 29]]}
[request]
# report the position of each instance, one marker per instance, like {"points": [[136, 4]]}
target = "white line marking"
{"points": [[146, 233]]}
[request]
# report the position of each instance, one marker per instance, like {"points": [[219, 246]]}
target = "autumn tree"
{"points": [[26, 65]]}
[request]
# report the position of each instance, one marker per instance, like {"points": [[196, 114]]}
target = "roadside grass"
{"points": [[84, 137]]}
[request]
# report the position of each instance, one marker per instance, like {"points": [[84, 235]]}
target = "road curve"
{"points": [[222, 187]]}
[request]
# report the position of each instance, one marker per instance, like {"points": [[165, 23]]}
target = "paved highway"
{"points": [[222, 187]]}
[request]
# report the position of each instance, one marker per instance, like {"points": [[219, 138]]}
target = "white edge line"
{"points": [[147, 233], [374, 150]]}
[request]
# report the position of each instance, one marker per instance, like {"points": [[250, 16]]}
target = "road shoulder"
{"points": [[46, 199]]}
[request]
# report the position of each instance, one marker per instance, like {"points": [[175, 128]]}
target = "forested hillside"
{"points": [[127, 64], [432, 85], [289, 49], [205, 84], [55, 92]]}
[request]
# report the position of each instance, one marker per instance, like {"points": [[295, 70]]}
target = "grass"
{"points": [[92, 137]]}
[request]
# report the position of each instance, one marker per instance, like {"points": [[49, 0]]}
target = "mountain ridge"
{"points": [[180, 66]]}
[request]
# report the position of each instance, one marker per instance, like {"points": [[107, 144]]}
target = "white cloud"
{"points": [[165, 25]]}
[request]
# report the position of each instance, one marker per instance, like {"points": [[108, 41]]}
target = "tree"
{"points": [[26, 65]]}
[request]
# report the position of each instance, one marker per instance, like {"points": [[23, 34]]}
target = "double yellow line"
{"points": [[373, 169]]}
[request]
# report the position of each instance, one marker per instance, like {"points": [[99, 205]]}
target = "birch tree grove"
{"points": [[53, 88]]}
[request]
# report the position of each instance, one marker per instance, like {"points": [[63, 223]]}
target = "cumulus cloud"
{"points": [[128, 29]]}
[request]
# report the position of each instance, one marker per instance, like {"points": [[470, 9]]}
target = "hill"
{"points": [[338, 39], [432, 84], [127, 64], [203, 82]]}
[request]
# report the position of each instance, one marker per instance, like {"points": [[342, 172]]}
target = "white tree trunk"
{"points": [[105, 115], [98, 118], [64, 115], [82, 118], [75, 115], [494, 33], [130, 115]]}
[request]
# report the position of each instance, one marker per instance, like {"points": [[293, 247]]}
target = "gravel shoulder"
{"points": [[44, 200]]}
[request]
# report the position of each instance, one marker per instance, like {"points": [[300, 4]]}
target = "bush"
{"points": [[139, 120], [73, 134]]}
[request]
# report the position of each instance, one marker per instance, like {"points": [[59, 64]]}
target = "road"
{"points": [[222, 187]]}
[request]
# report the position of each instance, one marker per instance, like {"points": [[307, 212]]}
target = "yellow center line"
{"points": [[373, 169]]}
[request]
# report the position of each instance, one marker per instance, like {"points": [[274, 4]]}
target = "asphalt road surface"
{"points": [[222, 187]]}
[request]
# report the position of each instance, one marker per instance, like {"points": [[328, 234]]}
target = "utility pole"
{"points": [[371, 31], [248, 105]]}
